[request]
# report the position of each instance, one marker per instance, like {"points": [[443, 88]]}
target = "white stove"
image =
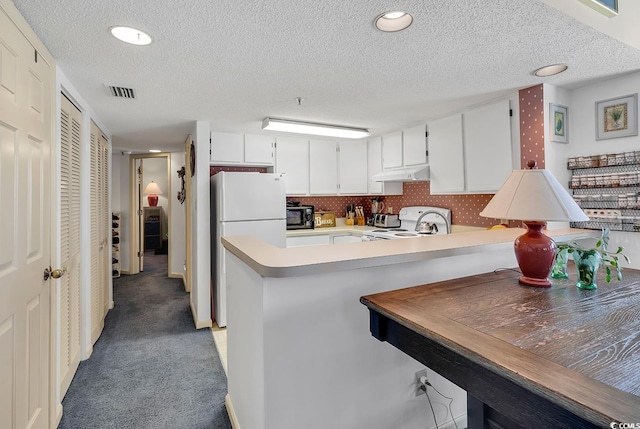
{"points": [[408, 220]]}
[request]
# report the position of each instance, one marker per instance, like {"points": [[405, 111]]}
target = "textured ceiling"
{"points": [[234, 62]]}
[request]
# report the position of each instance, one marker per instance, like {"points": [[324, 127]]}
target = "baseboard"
{"points": [[231, 412], [200, 324], [177, 276], [58, 416], [124, 272], [111, 305], [87, 352]]}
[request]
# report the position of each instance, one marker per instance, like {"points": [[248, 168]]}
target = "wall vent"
{"points": [[121, 92]]}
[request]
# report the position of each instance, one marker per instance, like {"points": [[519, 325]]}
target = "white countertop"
{"points": [[341, 228], [271, 261]]}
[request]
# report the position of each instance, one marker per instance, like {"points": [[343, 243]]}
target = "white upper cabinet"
{"points": [[258, 149], [227, 148], [471, 152], [323, 167], [374, 163], [392, 150], [240, 149], [414, 145], [352, 166], [292, 159], [446, 168], [487, 147], [374, 166]]}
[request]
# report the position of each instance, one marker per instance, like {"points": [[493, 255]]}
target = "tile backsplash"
{"points": [[465, 209]]}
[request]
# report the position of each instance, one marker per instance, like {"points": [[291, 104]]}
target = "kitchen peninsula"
{"points": [[299, 348]]}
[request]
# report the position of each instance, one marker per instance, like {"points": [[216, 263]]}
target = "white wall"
{"points": [[177, 227], [200, 223], [582, 138]]}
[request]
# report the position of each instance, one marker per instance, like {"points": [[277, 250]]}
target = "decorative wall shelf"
{"points": [[607, 188]]}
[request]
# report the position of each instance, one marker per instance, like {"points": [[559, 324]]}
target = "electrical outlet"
{"points": [[417, 384]]}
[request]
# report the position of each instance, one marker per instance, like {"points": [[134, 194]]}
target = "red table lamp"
{"points": [[152, 191], [534, 197]]}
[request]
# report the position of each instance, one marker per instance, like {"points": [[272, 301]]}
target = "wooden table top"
{"points": [[579, 349]]}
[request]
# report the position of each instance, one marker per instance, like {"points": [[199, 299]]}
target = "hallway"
{"points": [[150, 368]]}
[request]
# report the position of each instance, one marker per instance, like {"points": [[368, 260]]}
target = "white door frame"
{"points": [[134, 206]]}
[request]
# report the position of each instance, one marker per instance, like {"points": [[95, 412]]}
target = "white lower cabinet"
{"points": [[323, 239], [308, 240], [346, 238]]}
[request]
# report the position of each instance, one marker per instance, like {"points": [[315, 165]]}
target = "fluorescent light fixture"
{"points": [[131, 35], [272, 124], [393, 21], [550, 70], [155, 150]]}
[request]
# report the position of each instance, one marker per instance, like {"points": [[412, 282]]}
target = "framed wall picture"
{"points": [[558, 123], [608, 8], [617, 117]]}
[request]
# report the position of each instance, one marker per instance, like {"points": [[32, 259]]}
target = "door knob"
{"points": [[56, 274]]}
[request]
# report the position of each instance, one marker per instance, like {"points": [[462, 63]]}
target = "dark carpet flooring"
{"points": [[150, 368]]}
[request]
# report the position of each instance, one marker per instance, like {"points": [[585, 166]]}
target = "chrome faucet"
{"points": [[446, 221]]}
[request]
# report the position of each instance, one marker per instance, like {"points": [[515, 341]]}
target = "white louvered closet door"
{"points": [[99, 241], [69, 298]]}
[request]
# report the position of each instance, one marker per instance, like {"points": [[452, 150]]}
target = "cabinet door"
{"points": [[487, 147], [340, 239], [352, 161], [323, 167], [292, 158], [446, 155], [374, 164], [258, 149], [227, 148], [308, 240], [392, 150], [414, 145]]}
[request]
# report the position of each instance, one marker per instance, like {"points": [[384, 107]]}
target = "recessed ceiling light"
{"points": [[550, 70], [155, 150], [131, 35], [393, 21]]}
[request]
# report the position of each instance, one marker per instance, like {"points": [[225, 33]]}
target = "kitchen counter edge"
{"points": [[271, 261]]}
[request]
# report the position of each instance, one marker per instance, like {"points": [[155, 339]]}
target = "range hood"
{"points": [[404, 174]]}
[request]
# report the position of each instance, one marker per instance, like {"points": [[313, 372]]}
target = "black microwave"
{"points": [[300, 217]]}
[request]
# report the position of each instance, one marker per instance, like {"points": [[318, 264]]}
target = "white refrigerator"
{"points": [[243, 204]]}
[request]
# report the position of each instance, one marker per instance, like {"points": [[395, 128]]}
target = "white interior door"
{"points": [[25, 230], [69, 293], [99, 242]]}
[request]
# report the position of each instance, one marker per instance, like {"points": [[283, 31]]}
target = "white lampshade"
{"points": [[533, 195], [152, 189]]}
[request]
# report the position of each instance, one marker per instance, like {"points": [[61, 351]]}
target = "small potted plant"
{"points": [[588, 260]]}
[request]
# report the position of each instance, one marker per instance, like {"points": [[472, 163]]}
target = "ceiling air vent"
{"points": [[121, 92]]}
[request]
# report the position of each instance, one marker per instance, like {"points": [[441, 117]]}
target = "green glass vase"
{"points": [[559, 269], [587, 264]]}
